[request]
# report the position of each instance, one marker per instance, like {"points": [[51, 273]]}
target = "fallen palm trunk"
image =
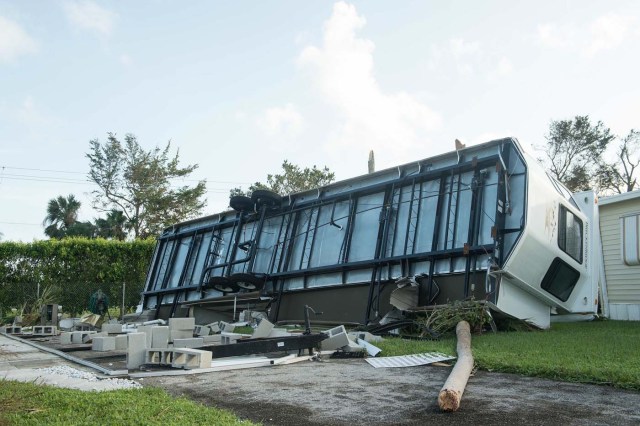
{"points": [[451, 393]]}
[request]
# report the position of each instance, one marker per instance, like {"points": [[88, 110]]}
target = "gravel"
{"points": [[67, 372]]}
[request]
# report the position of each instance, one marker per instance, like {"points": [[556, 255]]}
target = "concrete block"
{"points": [[201, 330], [45, 330], [112, 328], [121, 342], [83, 327], [147, 329], [180, 334], [160, 337], [136, 349], [228, 339], [65, 338], [3, 329], [337, 339], [194, 342], [16, 329], [88, 337], [214, 327], [103, 344], [78, 337], [159, 356], [212, 339], [191, 358], [182, 324], [226, 327], [263, 329], [366, 336]]}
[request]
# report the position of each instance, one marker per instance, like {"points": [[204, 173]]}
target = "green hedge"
{"points": [[74, 268]]}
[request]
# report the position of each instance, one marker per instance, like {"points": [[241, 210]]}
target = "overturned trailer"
{"points": [[484, 222]]}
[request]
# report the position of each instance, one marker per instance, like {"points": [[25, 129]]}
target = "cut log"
{"points": [[451, 393]]}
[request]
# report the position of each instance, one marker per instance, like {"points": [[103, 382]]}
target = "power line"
{"points": [[84, 173]]}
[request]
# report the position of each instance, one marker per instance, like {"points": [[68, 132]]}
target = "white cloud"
{"points": [[505, 67], [609, 31], [126, 60], [281, 121], [556, 36], [88, 15], [31, 115], [14, 41], [342, 69], [467, 59], [604, 33]]}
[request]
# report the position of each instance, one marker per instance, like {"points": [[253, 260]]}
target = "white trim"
{"points": [[619, 198]]}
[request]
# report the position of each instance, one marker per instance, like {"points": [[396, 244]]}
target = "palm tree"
{"points": [[62, 213], [113, 226]]}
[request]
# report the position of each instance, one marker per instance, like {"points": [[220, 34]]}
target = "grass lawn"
{"points": [[30, 404], [603, 352]]}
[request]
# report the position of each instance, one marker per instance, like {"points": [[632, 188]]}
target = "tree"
{"points": [[138, 183], [113, 226], [574, 149], [621, 176], [293, 179], [62, 214]]}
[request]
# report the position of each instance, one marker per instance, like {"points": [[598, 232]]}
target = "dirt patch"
{"points": [[341, 392]]}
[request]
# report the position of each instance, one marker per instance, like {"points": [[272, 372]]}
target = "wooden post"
{"points": [[451, 393]]}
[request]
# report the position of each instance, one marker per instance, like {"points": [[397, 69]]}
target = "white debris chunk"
{"points": [[72, 373]]}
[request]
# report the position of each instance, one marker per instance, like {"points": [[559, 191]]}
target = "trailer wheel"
{"points": [[241, 203], [264, 197], [223, 284], [247, 281]]}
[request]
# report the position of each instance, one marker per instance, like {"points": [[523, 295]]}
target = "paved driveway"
{"points": [[341, 392]]}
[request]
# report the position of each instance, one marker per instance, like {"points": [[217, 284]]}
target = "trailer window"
{"points": [[560, 279], [629, 236], [570, 234]]}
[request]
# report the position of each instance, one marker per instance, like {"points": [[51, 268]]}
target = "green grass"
{"points": [[30, 404], [603, 352]]}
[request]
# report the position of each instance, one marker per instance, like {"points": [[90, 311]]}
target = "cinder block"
{"points": [[147, 329], [228, 339], [226, 327], [136, 349], [121, 342], [78, 336], [182, 324], [112, 328], [191, 358], [88, 338], [366, 336], [194, 342], [3, 329], [181, 334], [212, 339], [201, 330], [337, 339], [45, 330], [159, 356], [214, 327], [65, 338], [103, 344], [14, 330], [160, 337], [263, 329]]}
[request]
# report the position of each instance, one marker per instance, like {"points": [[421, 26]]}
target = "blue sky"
{"points": [[240, 86]]}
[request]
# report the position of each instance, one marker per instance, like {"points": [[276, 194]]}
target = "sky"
{"points": [[238, 87]]}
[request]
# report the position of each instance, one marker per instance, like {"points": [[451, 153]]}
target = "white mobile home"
{"points": [[619, 229], [485, 222]]}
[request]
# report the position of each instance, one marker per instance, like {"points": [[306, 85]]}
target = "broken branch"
{"points": [[451, 393]]}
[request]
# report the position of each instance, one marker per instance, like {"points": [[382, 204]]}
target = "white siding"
{"points": [[623, 281]]}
